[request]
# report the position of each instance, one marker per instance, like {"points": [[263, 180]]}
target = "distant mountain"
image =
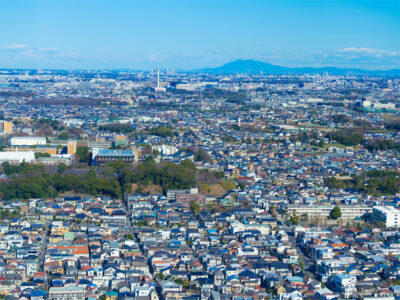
{"points": [[256, 67]]}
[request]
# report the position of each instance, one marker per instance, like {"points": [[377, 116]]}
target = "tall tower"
{"points": [[159, 88], [71, 149], [158, 78]]}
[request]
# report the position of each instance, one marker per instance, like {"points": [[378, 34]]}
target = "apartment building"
{"points": [[387, 214]]}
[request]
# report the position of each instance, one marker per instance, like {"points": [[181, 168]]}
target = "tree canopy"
{"points": [[335, 213]]}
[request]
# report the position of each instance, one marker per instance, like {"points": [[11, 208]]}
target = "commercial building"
{"points": [[387, 214]]}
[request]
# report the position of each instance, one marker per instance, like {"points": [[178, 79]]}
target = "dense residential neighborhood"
{"points": [[147, 185]]}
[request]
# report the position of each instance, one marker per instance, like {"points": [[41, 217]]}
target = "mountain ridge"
{"points": [[251, 66]]}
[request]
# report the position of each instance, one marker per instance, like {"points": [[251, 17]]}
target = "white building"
{"points": [[345, 284], [237, 226], [295, 295], [325, 294], [27, 141], [387, 214], [165, 149], [17, 157], [378, 105], [323, 211]]}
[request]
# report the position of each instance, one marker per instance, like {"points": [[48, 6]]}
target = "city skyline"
{"points": [[144, 35], [199, 149]]}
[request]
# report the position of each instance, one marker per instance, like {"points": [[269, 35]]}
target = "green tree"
{"points": [[347, 137], [41, 154], [148, 159], [83, 154], [301, 263], [241, 185], [273, 211], [202, 155], [194, 207], [304, 217], [62, 168], [162, 131], [210, 207], [188, 164], [129, 236], [335, 213], [294, 219]]}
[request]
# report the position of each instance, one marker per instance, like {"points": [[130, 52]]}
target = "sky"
{"points": [[192, 34]]}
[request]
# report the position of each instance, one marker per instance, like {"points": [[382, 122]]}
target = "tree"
{"points": [[162, 131], [304, 217], [202, 155], [241, 185], [129, 236], [41, 154], [210, 207], [149, 159], [294, 219], [194, 207], [301, 263], [83, 154], [118, 128], [380, 224], [62, 168], [273, 211], [188, 164], [347, 137], [335, 213]]}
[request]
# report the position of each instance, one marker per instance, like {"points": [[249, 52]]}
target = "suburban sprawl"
{"points": [[164, 185]]}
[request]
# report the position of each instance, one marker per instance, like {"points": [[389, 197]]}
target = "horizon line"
{"points": [[196, 70]]}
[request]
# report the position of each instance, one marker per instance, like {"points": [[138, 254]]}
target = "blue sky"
{"points": [[189, 34]]}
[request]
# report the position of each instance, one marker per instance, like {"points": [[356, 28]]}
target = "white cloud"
{"points": [[369, 52], [358, 57], [15, 47]]}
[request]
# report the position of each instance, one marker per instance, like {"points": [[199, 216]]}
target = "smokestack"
{"points": [[158, 77]]}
